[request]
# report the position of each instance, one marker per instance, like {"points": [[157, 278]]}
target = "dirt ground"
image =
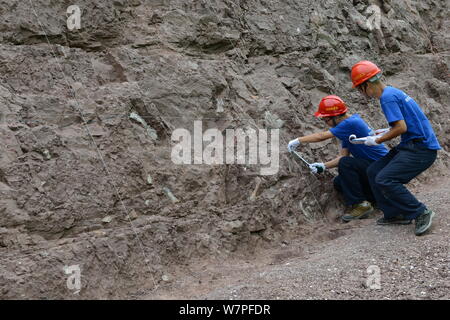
{"points": [[333, 262]]}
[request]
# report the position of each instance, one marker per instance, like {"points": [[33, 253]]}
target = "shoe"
{"points": [[359, 211], [423, 222], [394, 220]]}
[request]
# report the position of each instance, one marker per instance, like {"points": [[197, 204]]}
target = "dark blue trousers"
{"points": [[388, 175], [352, 180]]}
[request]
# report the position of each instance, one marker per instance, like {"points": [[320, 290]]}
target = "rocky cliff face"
{"points": [[86, 176]]}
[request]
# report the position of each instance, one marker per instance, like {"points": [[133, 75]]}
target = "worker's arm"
{"points": [[397, 128], [316, 137], [334, 163]]}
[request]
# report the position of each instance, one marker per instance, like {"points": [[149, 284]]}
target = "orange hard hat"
{"points": [[331, 106], [363, 71]]}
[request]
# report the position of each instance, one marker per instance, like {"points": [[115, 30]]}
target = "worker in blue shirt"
{"points": [[352, 180], [416, 152]]}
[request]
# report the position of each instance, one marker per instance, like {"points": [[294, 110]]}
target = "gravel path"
{"points": [[410, 267]]}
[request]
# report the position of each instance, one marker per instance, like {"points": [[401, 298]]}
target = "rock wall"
{"points": [[83, 183]]}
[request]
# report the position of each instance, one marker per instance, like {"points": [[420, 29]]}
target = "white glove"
{"points": [[293, 145], [317, 167], [370, 141]]}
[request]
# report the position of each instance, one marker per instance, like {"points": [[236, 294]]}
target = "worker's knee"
{"points": [[387, 186], [383, 182], [345, 163]]}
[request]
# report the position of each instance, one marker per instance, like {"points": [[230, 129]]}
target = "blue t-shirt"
{"points": [[355, 125], [396, 106]]}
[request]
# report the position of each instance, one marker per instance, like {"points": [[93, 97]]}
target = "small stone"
{"points": [[133, 215], [47, 154], [135, 3], [107, 219], [165, 278], [169, 193]]}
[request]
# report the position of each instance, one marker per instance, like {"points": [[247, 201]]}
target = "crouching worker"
{"points": [[416, 152], [353, 160]]}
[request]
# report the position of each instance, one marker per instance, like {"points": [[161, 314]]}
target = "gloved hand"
{"points": [[293, 145], [317, 167], [370, 141]]}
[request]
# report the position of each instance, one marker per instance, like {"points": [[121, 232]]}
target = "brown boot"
{"points": [[359, 211]]}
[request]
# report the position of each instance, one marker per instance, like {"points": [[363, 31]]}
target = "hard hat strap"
{"points": [[375, 77]]}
